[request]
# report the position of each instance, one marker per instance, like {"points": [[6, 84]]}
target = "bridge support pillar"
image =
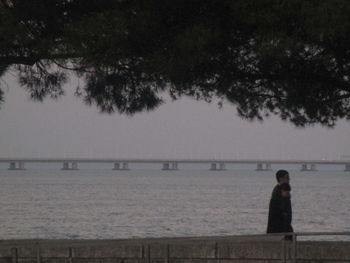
{"points": [[116, 166], [70, 166], [175, 166], [263, 167], [166, 166], [305, 167], [125, 166], [75, 166], [347, 167], [170, 166], [16, 166], [121, 166], [217, 166]]}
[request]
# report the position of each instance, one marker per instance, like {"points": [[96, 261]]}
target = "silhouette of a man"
{"points": [[280, 209]]}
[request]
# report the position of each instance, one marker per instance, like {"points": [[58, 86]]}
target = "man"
{"points": [[280, 209], [286, 207], [282, 176]]}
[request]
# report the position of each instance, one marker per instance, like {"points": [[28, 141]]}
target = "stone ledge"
{"points": [[171, 250], [247, 250], [45, 252], [205, 251], [324, 250], [121, 251], [5, 252]]}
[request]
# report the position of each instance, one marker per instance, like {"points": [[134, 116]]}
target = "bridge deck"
{"points": [[163, 160]]}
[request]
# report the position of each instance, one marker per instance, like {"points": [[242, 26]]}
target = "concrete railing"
{"points": [[231, 249], [334, 251]]}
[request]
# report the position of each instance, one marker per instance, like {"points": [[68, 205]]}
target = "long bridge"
{"points": [[173, 164]]}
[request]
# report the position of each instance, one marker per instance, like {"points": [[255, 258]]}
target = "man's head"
{"points": [[282, 176], [285, 190]]}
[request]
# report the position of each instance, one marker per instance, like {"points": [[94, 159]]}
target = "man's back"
{"points": [[275, 219], [276, 192]]}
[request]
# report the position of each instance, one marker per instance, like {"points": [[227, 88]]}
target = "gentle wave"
{"points": [[108, 204]]}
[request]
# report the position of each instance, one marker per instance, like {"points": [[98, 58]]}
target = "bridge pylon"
{"points": [[121, 166], [220, 166], [263, 167], [170, 166], [69, 166], [16, 166], [305, 167]]}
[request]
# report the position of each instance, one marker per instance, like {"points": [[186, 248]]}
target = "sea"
{"points": [[96, 202]]}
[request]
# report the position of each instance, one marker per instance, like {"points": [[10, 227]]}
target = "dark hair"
{"points": [[285, 187], [280, 174]]}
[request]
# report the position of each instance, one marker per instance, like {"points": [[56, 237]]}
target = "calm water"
{"points": [[96, 202]]}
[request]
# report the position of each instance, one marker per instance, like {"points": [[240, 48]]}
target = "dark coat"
{"points": [[280, 213], [287, 214]]}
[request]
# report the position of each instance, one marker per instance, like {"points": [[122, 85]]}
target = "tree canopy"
{"points": [[289, 58]]}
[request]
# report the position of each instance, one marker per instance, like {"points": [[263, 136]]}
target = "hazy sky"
{"points": [[180, 129]]}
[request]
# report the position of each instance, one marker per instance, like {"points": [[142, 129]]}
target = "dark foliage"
{"points": [[285, 57]]}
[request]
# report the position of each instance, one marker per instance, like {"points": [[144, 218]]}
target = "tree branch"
{"points": [[4, 3], [31, 60], [80, 69], [344, 96]]}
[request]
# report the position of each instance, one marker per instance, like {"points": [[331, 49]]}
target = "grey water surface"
{"points": [[99, 203]]}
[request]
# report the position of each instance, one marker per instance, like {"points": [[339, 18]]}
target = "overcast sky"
{"points": [[182, 129]]}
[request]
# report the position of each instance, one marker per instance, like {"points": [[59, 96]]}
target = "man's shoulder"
{"points": [[276, 192]]}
